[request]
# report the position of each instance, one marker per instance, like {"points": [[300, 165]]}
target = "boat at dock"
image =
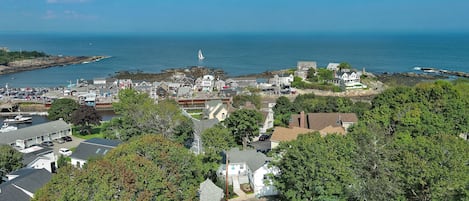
{"points": [[18, 119], [7, 128]]}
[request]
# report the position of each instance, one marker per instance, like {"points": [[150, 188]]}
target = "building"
{"points": [[23, 183], [92, 148], [38, 157], [303, 68], [349, 80], [282, 134], [33, 135], [319, 121], [281, 80], [333, 66], [215, 109], [248, 166]]}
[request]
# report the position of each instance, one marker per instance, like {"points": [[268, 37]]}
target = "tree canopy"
{"points": [[148, 167], [10, 160], [85, 117], [244, 125], [62, 108], [139, 114]]}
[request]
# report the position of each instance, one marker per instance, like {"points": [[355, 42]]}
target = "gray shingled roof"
{"points": [[28, 179], [94, 147], [33, 131], [30, 157], [251, 157], [210, 192]]}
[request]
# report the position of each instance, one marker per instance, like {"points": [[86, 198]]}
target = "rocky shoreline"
{"points": [[46, 62]]}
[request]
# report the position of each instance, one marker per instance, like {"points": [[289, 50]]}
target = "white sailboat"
{"points": [[200, 55]]}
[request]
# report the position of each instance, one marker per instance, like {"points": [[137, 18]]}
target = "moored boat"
{"points": [[19, 119], [7, 128]]}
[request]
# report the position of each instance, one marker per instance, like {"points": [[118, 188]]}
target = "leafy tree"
{"points": [[62, 161], [344, 65], [139, 114], [85, 117], [148, 167], [216, 140], [183, 132], [282, 111], [315, 168], [10, 160], [244, 125], [432, 168], [240, 100], [62, 108]]}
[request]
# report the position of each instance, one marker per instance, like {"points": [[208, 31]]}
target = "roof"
{"points": [[28, 179], [282, 134], [251, 157], [262, 146], [201, 125], [319, 121], [33, 131], [31, 156], [95, 147], [213, 103], [210, 192], [330, 130]]}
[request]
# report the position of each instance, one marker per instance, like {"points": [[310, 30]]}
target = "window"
{"points": [[97, 150]]}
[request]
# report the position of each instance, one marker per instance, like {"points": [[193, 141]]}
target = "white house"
{"points": [[37, 157], [248, 166], [207, 83], [281, 80], [350, 80], [333, 66], [268, 118], [215, 109]]}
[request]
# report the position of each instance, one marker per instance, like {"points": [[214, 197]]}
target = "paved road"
{"points": [[76, 141]]}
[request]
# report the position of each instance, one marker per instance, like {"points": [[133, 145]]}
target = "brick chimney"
{"points": [[302, 120]]}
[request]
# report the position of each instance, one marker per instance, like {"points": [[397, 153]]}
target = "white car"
{"points": [[65, 151]]}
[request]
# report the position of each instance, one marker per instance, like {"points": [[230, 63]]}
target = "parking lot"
{"points": [[74, 143]]}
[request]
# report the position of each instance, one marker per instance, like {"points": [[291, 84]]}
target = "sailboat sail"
{"points": [[200, 55]]}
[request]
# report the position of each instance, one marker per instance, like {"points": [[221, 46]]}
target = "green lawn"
{"points": [[86, 137]]}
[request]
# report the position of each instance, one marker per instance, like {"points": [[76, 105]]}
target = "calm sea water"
{"points": [[236, 54]]}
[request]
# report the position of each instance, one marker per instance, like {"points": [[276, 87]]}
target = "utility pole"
{"points": [[226, 179]]}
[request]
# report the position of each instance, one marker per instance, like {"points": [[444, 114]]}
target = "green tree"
{"points": [[344, 65], [10, 160], [183, 132], [282, 111], [85, 117], [148, 167], [62, 108], [139, 114], [241, 100], [315, 168], [244, 125], [432, 168], [216, 140]]}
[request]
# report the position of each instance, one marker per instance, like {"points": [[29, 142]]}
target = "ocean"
{"points": [[237, 54]]}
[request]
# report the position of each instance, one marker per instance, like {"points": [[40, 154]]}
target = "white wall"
{"points": [[75, 162], [260, 188]]}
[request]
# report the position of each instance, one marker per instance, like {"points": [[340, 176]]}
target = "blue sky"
{"points": [[207, 16]]}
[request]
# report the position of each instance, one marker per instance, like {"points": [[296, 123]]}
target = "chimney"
{"points": [[302, 120]]}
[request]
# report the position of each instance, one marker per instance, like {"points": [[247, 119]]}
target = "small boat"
{"points": [[19, 119], [6, 128], [200, 55]]}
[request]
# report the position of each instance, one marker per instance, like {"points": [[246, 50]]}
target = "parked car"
{"points": [[67, 138], [65, 151], [47, 144], [59, 141], [264, 137]]}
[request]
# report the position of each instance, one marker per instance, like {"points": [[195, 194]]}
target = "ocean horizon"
{"points": [[236, 54]]}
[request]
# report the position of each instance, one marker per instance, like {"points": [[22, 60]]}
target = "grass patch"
{"points": [[197, 116], [87, 137]]}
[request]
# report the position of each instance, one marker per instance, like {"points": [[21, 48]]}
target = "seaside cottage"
{"points": [[92, 148]]}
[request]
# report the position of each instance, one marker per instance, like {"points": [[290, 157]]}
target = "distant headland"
{"points": [[18, 61]]}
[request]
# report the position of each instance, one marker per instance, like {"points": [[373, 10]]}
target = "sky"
{"points": [[233, 16]]}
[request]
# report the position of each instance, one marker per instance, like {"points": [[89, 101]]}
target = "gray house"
{"points": [[27, 137], [22, 184], [92, 148]]}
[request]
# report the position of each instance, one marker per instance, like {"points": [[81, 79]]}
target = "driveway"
{"points": [[74, 143]]}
